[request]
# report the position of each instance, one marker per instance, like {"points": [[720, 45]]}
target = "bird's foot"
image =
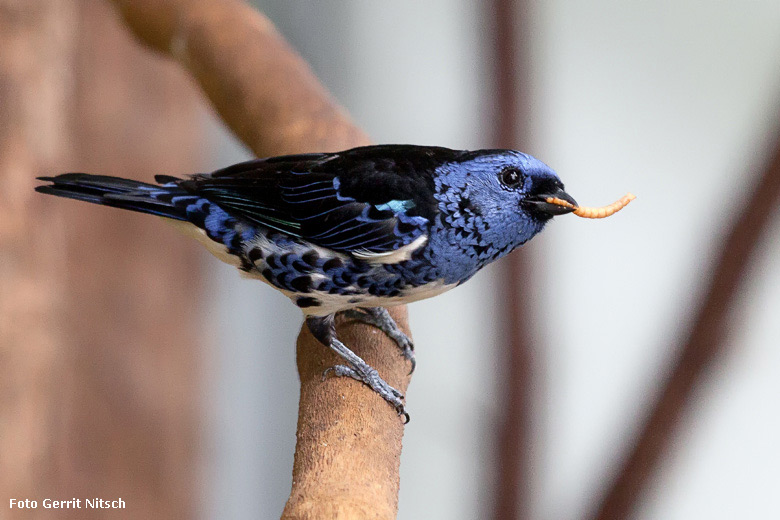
{"points": [[369, 376], [323, 329], [381, 319]]}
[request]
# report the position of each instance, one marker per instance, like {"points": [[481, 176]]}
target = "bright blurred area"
{"points": [[676, 102]]}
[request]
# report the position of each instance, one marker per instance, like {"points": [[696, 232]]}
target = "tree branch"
{"points": [[515, 436], [349, 439]]}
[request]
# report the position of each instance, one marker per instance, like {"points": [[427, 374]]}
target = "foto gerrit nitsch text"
{"points": [[73, 503]]}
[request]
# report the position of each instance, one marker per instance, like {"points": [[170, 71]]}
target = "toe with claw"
{"points": [[323, 328], [381, 319], [369, 376]]}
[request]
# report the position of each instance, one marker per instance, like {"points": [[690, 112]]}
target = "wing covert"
{"points": [[367, 201]]}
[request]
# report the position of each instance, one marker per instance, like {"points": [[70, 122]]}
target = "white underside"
{"points": [[329, 303]]}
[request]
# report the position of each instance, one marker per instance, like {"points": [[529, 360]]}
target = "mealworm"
{"points": [[602, 212]]}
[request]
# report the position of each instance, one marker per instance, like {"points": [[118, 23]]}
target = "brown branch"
{"points": [[513, 470], [349, 439], [701, 349]]}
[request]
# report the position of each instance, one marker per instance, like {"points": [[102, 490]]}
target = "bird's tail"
{"points": [[165, 200]]}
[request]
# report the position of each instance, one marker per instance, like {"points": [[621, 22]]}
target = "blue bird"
{"points": [[355, 231]]}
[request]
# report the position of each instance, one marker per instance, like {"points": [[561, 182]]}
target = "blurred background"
{"points": [[185, 402]]}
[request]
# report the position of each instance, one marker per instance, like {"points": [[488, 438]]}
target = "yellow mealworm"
{"points": [[602, 212]]}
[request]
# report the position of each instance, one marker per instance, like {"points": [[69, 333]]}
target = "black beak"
{"points": [[539, 203]]}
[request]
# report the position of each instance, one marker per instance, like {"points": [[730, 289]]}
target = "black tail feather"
{"points": [[165, 179], [116, 192]]}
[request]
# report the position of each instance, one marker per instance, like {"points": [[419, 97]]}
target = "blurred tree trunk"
{"points": [[98, 320], [514, 447]]}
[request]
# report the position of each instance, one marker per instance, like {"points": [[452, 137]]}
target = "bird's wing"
{"points": [[369, 201]]}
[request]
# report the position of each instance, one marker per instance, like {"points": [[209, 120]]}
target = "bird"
{"points": [[351, 232]]}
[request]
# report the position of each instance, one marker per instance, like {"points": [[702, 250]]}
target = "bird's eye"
{"points": [[512, 178]]}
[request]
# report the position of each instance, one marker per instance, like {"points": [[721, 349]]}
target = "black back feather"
{"points": [[335, 200], [372, 199]]}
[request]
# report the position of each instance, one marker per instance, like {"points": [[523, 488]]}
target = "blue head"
{"points": [[494, 200]]}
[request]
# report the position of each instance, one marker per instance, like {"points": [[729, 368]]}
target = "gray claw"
{"points": [[381, 319], [369, 376], [322, 327]]}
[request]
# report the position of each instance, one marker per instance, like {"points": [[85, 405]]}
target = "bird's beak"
{"points": [[538, 202]]}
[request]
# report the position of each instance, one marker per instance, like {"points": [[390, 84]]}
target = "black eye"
{"points": [[512, 178]]}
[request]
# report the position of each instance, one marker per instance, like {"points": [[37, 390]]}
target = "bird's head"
{"points": [[501, 195]]}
